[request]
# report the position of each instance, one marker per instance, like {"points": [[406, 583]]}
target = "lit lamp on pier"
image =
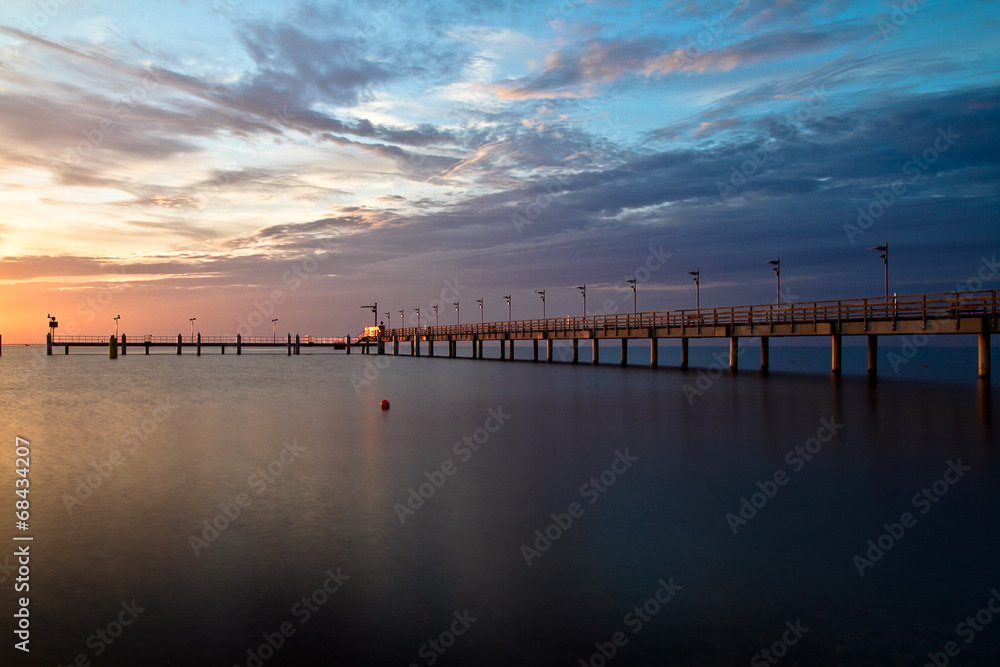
{"points": [[776, 264], [401, 319], [507, 296], [635, 308], [583, 290], [192, 319], [458, 314], [274, 335], [117, 317], [435, 314], [541, 293], [481, 316]]}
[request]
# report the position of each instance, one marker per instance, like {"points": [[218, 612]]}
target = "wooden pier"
{"points": [[922, 315]]}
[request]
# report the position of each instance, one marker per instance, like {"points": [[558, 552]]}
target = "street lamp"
{"points": [[583, 290], [192, 319], [117, 317], [541, 293], [634, 302], [274, 335], [374, 308], [884, 249], [776, 264], [458, 314], [417, 310], [401, 319], [507, 296], [435, 314], [386, 313], [480, 302], [697, 288]]}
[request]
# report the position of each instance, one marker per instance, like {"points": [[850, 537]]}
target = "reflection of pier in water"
{"points": [[919, 316]]}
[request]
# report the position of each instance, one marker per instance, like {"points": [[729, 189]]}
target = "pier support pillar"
{"points": [[534, 349], [48, 344], [479, 348], [147, 349], [596, 351], [734, 354], [416, 344], [296, 343], [239, 343], [66, 349], [576, 350], [112, 348], [348, 347], [288, 345], [654, 352], [684, 352], [765, 353], [836, 355], [199, 344], [503, 350], [548, 350], [512, 349], [984, 354], [872, 354], [124, 345], [452, 349], [430, 347], [180, 343], [624, 351]]}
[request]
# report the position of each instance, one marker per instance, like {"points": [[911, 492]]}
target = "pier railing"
{"points": [[927, 307]]}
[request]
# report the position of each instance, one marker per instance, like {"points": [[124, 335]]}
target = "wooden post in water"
{"points": [[147, 348], [624, 351], [765, 353], [548, 350], [836, 354], [416, 343], [66, 349], [596, 351], [512, 349], [654, 352], [395, 345], [112, 348], [239, 343], [179, 343], [734, 354], [124, 345], [223, 349], [984, 351], [199, 344], [288, 345], [576, 349], [479, 348], [430, 346], [872, 354], [348, 347], [684, 352], [534, 349], [503, 350], [296, 343], [48, 344]]}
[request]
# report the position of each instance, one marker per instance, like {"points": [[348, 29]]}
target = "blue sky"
{"points": [[183, 159]]}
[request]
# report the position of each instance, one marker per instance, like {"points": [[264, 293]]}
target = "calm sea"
{"points": [[263, 510]]}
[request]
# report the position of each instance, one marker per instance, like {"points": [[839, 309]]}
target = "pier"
{"points": [[968, 313]]}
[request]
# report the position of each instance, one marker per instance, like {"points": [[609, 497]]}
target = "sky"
{"points": [[238, 161]]}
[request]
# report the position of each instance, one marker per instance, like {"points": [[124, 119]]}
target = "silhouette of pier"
{"points": [[921, 315]]}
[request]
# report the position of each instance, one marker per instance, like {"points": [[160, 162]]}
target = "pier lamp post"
{"points": [[117, 317], [374, 308], [697, 288], [776, 264], [541, 293], [458, 314], [417, 311], [635, 308], [274, 335], [401, 319], [583, 290], [481, 316], [386, 313], [192, 319], [435, 314], [884, 249], [507, 296]]}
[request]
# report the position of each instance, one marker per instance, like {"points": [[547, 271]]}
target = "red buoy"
{"points": [[384, 404]]}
